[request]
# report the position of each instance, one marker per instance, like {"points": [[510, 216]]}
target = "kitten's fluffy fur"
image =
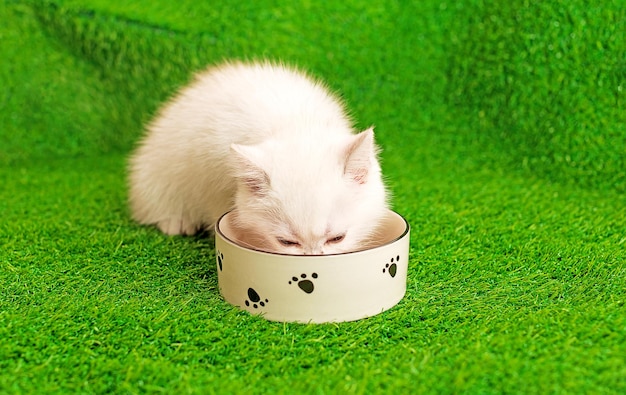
{"points": [[269, 142]]}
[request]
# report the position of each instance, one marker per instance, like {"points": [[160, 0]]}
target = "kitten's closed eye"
{"points": [[288, 243], [336, 239]]}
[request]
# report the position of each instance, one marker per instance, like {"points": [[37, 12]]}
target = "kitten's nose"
{"points": [[313, 251]]}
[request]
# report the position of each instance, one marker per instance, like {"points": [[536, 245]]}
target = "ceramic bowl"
{"points": [[314, 288]]}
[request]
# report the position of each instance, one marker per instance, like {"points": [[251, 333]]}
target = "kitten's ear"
{"points": [[247, 169], [359, 155]]}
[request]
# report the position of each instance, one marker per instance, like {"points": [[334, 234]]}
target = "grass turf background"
{"points": [[506, 157]]}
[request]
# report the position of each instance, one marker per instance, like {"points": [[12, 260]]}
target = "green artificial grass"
{"points": [[52, 104], [547, 81], [517, 275]]}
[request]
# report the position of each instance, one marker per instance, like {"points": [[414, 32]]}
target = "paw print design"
{"points": [[392, 267], [220, 260], [254, 299], [304, 283]]}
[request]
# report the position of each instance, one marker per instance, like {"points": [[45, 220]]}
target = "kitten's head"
{"points": [[309, 197]]}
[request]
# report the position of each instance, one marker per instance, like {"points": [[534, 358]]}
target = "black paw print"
{"points": [[304, 284], [391, 267], [220, 259], [255, 299]]}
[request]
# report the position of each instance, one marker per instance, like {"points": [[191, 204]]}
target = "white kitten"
{"points": [[269, 142]]}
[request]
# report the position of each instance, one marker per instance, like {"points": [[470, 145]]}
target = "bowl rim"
{"points": [[406, 230]]}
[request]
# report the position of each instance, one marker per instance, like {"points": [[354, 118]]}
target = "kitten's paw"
{"points": [[177, 226]]}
